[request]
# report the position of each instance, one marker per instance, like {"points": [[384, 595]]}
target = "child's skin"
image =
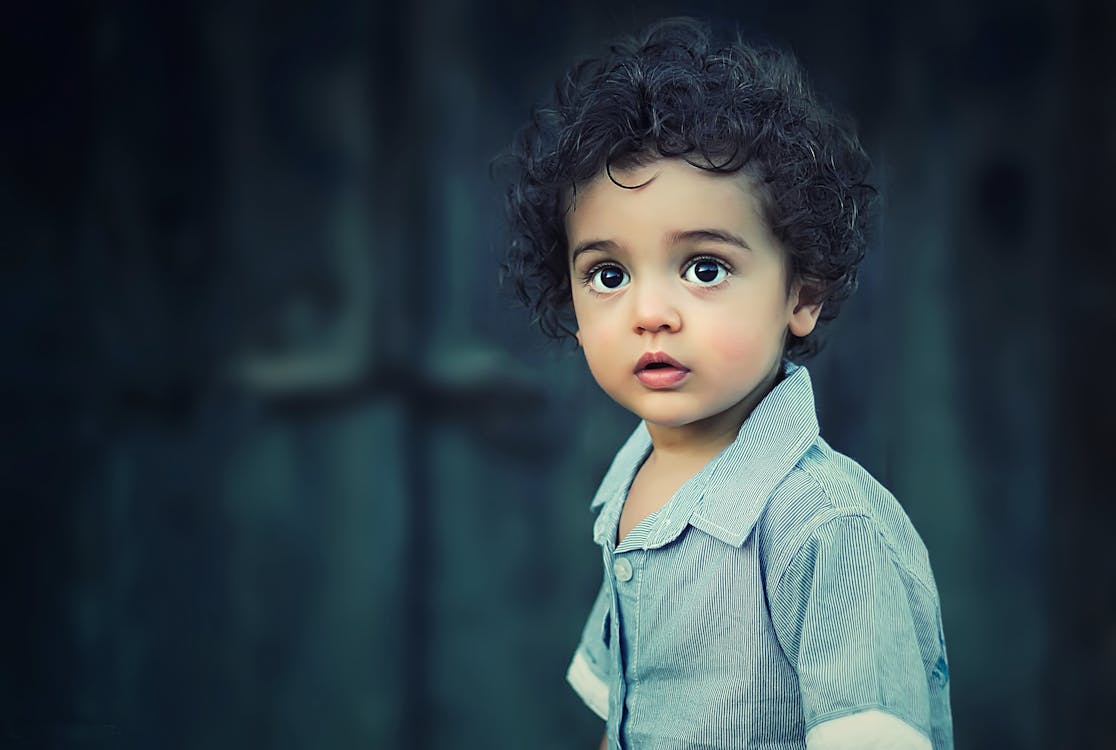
{"points": [[683, 266]]}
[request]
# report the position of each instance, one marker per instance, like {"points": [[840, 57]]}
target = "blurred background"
{"points": [[285, 468]]}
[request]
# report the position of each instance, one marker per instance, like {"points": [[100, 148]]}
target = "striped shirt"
{"points": [[780, 598]]}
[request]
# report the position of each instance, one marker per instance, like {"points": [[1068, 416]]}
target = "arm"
{"points": [[604, 742], [854, 625], [591, 668]]}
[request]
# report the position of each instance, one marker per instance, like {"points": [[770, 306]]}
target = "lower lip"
{"points": [[662, 377]]}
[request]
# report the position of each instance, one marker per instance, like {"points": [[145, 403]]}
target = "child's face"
{"points": [[685, 267]]}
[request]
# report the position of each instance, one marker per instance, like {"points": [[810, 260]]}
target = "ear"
{"points": [[804, 312], [577, 335]]}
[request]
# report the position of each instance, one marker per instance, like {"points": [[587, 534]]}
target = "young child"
{"points": [[700, 213]]}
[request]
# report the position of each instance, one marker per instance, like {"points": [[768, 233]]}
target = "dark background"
{"points": [[283, 468]]}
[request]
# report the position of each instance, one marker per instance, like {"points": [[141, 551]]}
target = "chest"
{"points": [[689, 622]]}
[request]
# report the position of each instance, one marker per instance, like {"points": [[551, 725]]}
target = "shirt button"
{"points": [[623, 569]]}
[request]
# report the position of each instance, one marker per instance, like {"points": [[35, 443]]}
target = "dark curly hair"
{"points": [[671, 93]]}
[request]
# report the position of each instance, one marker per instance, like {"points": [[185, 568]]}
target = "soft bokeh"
{"points": [[288, 469]]}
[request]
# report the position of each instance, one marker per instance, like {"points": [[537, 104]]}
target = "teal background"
{"points": [[285, 468]]}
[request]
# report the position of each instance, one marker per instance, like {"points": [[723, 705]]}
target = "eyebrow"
{"points": [[588, 245], [689, 235], [716, 235]]}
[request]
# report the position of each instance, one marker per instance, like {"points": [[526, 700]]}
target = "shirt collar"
{"points": [[727, 497]]}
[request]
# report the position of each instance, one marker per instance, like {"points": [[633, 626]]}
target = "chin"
{"points": [[671, 419]]}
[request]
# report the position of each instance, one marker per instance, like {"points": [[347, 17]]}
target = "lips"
{"points": [[658, 370]]}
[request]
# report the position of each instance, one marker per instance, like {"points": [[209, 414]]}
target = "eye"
{"points": [[706, 271], [606, 277]]}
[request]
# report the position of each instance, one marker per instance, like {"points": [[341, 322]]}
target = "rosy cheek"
{"points": [[737, 345]]}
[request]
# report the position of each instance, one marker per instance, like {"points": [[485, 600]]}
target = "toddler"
{"points": [[691, 214]]}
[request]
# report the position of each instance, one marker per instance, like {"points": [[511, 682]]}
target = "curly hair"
{"points": [[672, 93]]}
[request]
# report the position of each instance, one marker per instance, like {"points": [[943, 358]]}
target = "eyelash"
{"points": [[588, 275], [708, 259]]}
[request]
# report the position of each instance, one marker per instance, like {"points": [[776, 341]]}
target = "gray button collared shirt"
{"points": [[779, 590]]}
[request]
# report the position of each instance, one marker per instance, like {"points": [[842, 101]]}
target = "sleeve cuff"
{"points": [[592, 689], [866, 730]]}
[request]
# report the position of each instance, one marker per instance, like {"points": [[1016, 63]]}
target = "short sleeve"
{"points": [[590, 671], [843, 613]]}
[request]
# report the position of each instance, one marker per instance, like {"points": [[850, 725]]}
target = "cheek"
{"points": [[743, 346], [607, 367], [596, 326], [596, 344], [598, 349], [750, 328], [746, 344]]}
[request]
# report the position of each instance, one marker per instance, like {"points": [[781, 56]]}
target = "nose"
{"points": [[654, 311]]}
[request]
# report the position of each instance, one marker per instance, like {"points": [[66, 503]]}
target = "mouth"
{"points": [[657, 370]]}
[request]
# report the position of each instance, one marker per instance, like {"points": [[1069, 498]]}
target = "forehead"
{"points": [[667, 194]]}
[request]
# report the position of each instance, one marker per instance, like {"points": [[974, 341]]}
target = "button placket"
{"points": [[618, 688]]}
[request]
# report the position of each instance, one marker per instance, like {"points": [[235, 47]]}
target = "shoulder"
{"points": [[826, 493]]}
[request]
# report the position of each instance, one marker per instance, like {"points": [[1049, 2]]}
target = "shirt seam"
{"points": [[800, 545], [836, 512], [633, 680], [823, 519], [895, 556], [717, 526]]}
